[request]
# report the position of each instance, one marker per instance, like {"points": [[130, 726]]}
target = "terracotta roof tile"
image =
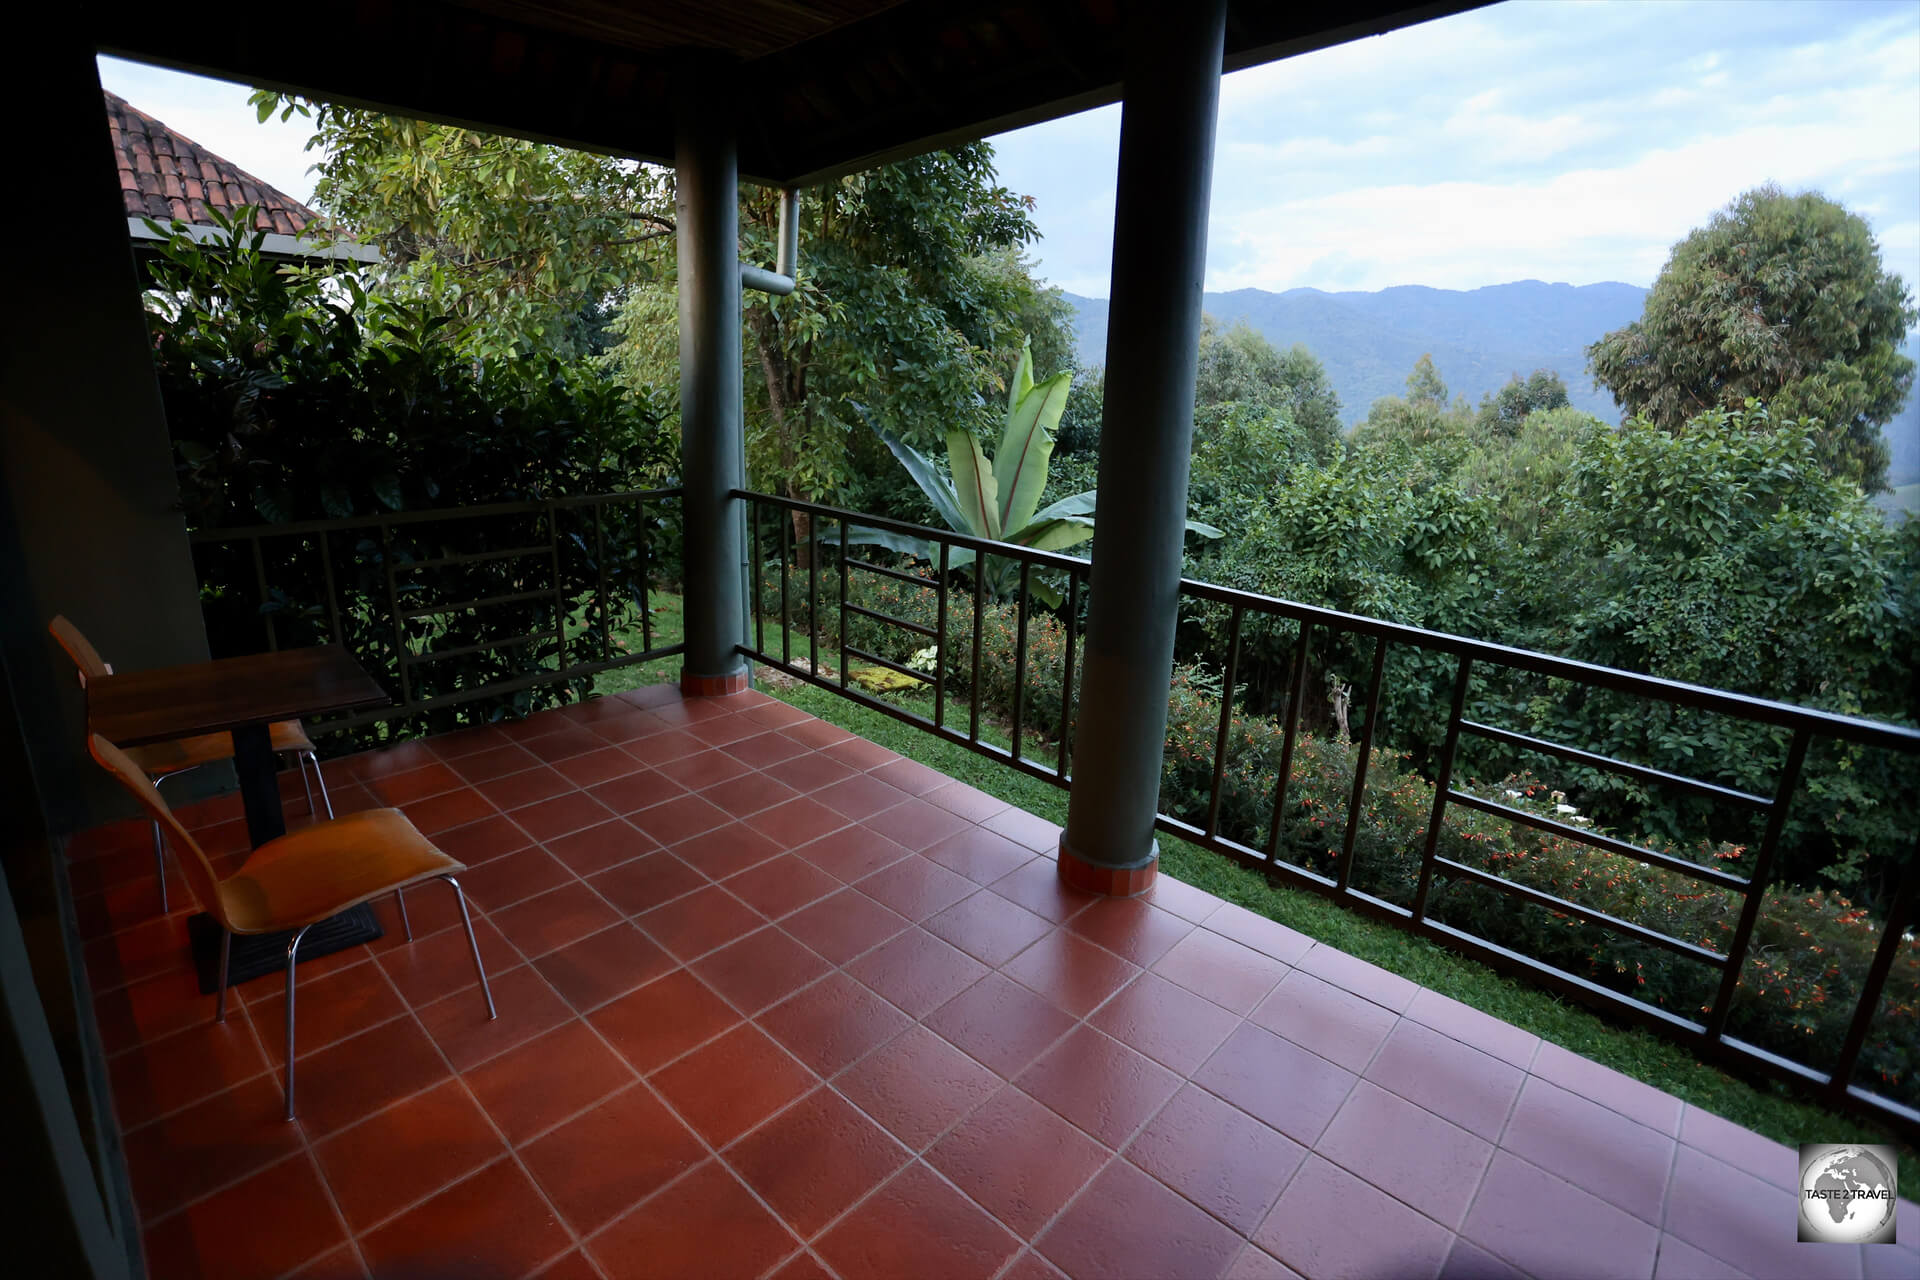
{"points": [[164, 175]]}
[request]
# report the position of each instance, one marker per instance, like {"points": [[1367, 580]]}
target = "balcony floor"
{"points": [[774, 1001]]}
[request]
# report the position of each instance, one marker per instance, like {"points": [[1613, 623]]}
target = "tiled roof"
{"points": [[164, 176]]}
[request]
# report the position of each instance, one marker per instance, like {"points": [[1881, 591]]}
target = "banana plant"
{"points": [[996, 499]]}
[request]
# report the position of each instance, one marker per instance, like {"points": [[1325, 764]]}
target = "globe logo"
{"points": [[1847, 1193]]}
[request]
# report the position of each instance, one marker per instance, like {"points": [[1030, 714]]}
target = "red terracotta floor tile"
{"points": [[516, 791], [729, 1086], [1099, 1084], [1311, 1229], [483, 841], [1000, 1024], [1601, 1151], [544, 1081], [724, 729], [1036, 886], [1217, 1156], [572, 1266], [917, 1086], [810, 771], [972, 804], [910, 776], [1031, 1266], [494, 1223], [1446, 1077], [760, 969], [489, 763], [1549, 1227], [1276, 1081], [703, 769], [448, 746], [852, 853], [980, 855], [1024, 828], [564, 743], [1071, 972], [916, 824], [407, 786], [594, 849], [1018, 1159], [336, 1264], [726, 851], [1356, 975], [209, 1144], [598, 1165], [1631, 1098], [350, 1080], [551, 920], [860, 796], [201, 1242], [915, 887], [513, 878], [988, 927], [1411, 1154], [699, 922], [794, 823], [664, 1019], [429, 968], [156, 1078], [764, 748], [1470, 1026], [678, 819], [1468, 1261], [704, 1226], [562, 815], [657, 749], [144, 951], [328, 1007], [815, 1159], [843, 925], [601, 966], [1169, 1024], [1182, 899], [641, 789], [917, 971], [748, 794], [1740, 1147], [1678, 1261], [145, 1012], [459, 1024], [651, 880], [1316, 1015], [781, 885], [410, 1150], [449, 809], [832, 1023], [1268, 937], [777, 715], [802, 1266], [816, 734], [917, 1225], [590, 768], [1128, 1224], [1722, 1209], [1131, 928]]}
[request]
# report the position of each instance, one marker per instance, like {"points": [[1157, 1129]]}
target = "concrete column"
{"points": [[712, 439], [1172, 90]]}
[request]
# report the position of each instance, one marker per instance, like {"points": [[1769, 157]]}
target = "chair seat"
{"points": [[315, 872], [158, 759]]}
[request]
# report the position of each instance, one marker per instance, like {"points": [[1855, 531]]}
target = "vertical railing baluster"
{"points": [[1757, 882], [1893, 936], [1020, 654], [940, 641], [600, 578], [1066, 676], [1441, 785], [393, 611], [786, 607], [559, 595], [646, 572], [1297, 691], [260, 582], [813, 596], [333, 603], [754, 520], [1226, 719], [841, 623], [1345, 872], [979, 618]]}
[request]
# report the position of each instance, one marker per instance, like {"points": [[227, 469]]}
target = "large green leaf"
{"points": [[1204, 530], [1080, 504], [1022, 377], [939, 492], [974, 484], [904, 543], [1026, 446], [1056, 535]]}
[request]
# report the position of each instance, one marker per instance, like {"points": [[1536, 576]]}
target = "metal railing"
{"points": [[524, 587], [830, 533]]}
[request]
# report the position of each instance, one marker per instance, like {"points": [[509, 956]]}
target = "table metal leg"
{"points": [[255, 763]]}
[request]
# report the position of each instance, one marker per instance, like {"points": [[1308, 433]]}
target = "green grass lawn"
{"points": [[1763, 1106]]}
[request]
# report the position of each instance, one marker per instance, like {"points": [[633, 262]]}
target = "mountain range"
{"points": [[1478, 338]]}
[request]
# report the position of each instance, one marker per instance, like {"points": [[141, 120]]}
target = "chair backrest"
{"points": [[84, 655], [187, 852]]}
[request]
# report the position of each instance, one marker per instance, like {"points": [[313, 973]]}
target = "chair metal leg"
{"points": [[320, 778], [226, 951], [473, 944], [160, 864], [293, 950], [300, 763], [400, 897]]}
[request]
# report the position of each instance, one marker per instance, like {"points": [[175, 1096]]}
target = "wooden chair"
{"points": [[163, 760], [300, 879]]}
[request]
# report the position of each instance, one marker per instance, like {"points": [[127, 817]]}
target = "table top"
{"points": [[133, 708]]}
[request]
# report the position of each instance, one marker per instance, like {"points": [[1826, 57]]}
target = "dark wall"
{"points": [[87, 524]]}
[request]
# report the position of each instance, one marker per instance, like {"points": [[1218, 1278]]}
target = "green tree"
{"points": [[1503, 411], [1781, 299], [1422, 417], [1239, 365], [1424, 386]]}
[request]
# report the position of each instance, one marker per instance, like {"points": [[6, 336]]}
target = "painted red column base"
{"points": [[1112, 882], [694, 686]]}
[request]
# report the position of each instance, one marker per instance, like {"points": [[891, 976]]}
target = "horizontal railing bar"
{"points": [[888, 663], [919, 628], [238, 532], [1627, 768], [885, 572], [470, 557], [1592, 915], [484, 646], [1008, 550], [397, 710], [1637, 852], [482, 602]]}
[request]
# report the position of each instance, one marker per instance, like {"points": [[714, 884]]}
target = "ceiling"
{"points": [[824, 88]]}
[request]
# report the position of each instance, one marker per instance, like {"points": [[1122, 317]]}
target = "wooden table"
{"points": [[243, 697]]}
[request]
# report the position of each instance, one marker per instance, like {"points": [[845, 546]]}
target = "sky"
{"points": [[1558, 140]]}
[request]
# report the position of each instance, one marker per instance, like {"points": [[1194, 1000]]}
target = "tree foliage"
{"points": [[1781, 299], [1504, 410], [1240, 366]]}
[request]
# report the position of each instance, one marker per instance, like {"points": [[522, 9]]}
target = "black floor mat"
{"points": [[255, 954]]}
